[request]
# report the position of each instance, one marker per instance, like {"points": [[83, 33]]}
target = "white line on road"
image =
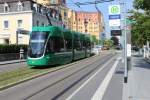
{"points": [[102, 88], [86, 82]]}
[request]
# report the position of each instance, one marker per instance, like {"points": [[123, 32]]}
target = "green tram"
{"points": [[52, 45]]}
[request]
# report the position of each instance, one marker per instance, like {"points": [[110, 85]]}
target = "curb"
{"points": [[12, 62], [41, 74]]}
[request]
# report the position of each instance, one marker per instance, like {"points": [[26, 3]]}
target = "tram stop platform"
{"points": [[138, 85]]}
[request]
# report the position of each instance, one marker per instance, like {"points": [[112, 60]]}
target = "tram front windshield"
{"points": [[37, 44]]}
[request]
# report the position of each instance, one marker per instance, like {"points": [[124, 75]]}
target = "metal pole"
{"points": [[125, 45]]}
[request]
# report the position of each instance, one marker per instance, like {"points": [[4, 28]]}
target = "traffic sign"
{"points": [[128, 21], [114, 9], [114, 15]]}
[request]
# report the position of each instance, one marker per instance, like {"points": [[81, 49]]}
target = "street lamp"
{"points": [[85, 24]]}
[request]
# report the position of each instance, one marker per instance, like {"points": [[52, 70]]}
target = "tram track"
{"points": [[24, 70], [30, 73], [78, 71], [75, 72]]}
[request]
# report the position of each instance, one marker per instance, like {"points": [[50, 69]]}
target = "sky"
{"points": [[103, 7]]}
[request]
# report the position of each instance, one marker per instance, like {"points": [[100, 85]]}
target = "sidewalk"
{"points": [[138, 86], [12, 61]]}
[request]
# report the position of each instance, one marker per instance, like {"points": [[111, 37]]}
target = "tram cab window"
{"points": [[55, 45]]}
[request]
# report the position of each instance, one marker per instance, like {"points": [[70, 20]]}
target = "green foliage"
{"points": [[115, 40], [141, 28], [108, 42], [12, 48], [142, 4], [94, 40]]}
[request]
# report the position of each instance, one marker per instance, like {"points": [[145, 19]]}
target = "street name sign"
{"points": [[114, 17]]}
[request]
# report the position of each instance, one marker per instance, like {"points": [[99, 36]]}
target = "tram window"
{"points": [[83, 45], [50, 47], [77, 45], [88, 45], [68, 43], [55, 44]]}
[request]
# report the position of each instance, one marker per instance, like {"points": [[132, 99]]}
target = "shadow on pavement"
{"points": [[140, 62], [45, 67], [119, 72]]}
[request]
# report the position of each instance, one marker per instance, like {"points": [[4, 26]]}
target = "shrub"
{"points": [[12, 48]]}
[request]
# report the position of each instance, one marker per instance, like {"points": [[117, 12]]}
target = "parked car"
{"points": [[135, 48], [105, 47], [118, 47], [97, 49]]}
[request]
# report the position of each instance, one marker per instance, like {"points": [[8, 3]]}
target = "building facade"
{"points": [[72, 23], [59, 6], [89, 22], [17, 17], [43, 2], [51, 2]]}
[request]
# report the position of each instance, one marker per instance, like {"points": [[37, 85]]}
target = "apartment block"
{"points": [[86, 22], [17, 17]]}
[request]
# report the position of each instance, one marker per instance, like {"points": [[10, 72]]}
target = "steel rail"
{"points": [[68, 76]]}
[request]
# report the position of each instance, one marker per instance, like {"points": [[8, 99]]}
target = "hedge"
{"points": [[12, 48]]}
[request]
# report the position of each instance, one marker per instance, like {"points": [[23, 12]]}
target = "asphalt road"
{"points": [[77, 82], [11, 67]]}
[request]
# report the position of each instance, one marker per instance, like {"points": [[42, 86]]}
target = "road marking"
{"points": [[102, 88], [86, 82]]}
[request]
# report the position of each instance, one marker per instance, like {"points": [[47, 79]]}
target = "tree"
{"points": [[93, 38], [115, 40], [108, 42], [141, 28], [142, 4]]}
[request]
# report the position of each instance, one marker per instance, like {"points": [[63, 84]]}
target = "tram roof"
{"points": [[54, 30], [59, 32], [67, 34]]}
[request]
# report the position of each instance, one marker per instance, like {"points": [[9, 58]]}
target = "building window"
{"points": [[6, 41], [35, 7], [6, 24], [6, 7], [19, 23], [20, 6], [53, 1], [65, 14]]}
